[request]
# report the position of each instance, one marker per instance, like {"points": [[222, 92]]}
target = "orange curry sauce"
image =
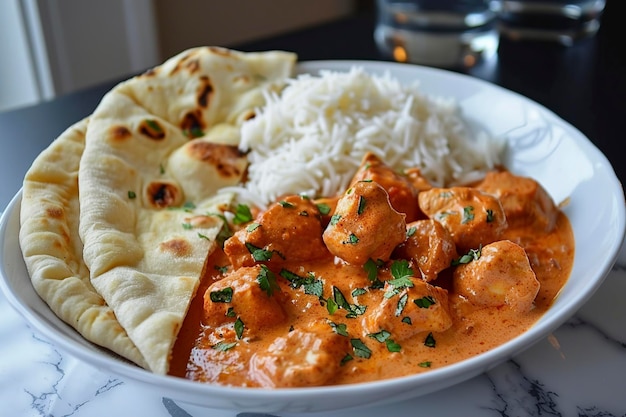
{"points": [[304, 296]]}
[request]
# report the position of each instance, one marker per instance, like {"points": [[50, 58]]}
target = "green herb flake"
{"points": [[224, 346], [331, 306], [323, 208], [402, 274], [472, 255], [132, 195], [352, 239], [187, 226], [430, 341], [267, 281], [490, 215], [242, 214], [152, 124], [401, 304], [425, 364], [468, 214], [424, 302], [286, 204], [380, 336], [372, 269], [358, 291], [188, 206], [239, 327], [230, 312], [334, 219], [410, 231], [360, 349], [259, 254], [392, 346], [346, 359], [311, 285], [339, 328], [221, 269], [201, 236], [252, 227], [193, 132], [361, 205], [224, 295]]}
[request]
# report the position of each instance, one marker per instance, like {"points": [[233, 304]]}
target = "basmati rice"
{"points": [[311, 138]]}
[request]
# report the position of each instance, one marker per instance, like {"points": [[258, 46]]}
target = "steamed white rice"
{"points": [[310, 138]]}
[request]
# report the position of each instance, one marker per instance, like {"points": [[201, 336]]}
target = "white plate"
{"points": [[541, 145]]}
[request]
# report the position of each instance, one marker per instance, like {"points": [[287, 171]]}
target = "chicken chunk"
{"points": [[501, 276], [525, 201], [402, 193], [419, 182], [429, 247], [472, 217], [422, 307], [240, 294], [290, 230], [305, 357], [365, 225]]}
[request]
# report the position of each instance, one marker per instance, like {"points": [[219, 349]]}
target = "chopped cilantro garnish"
{"points": [[224, 346], [424, 302], [259, 254], [239, 327], [468, 214], [224, 295], [490, 215], [339, 328], [334, 219], [242, 214], [401, 304], [360, 349], [472, 255], [361, 205], [267, 280], [323, 208], [392, 346]]}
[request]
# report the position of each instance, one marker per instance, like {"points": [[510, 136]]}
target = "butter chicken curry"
{"points": [[391, 278]]}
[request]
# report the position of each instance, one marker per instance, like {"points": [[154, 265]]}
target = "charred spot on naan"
{"points": [[178, 247], [202, 221], [152, 129], [162, 194], [205, 91], [229, 162], [193, 125], [119, 133]]}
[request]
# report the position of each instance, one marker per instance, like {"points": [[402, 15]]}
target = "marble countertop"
{"points": [[579, 370]]}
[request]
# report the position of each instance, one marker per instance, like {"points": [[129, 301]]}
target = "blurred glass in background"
{"points": [[459, 34], [561, 21], [441, 33]]}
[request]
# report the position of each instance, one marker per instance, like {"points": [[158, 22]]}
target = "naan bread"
{"points": [[157, 149], [53, 251]]}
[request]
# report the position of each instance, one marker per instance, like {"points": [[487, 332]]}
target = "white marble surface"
{"points": [[579, 370]]}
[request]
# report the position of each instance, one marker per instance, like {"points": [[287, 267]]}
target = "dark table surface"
{"points": [[584, 84]]}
